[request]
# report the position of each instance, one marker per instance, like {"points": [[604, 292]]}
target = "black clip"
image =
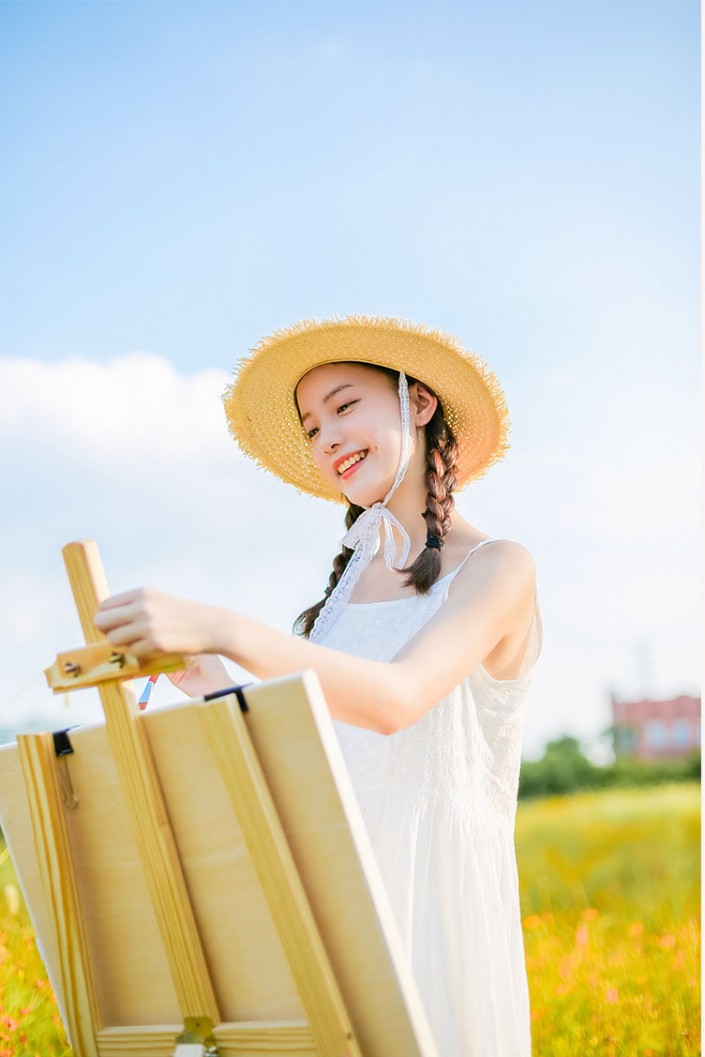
{"points": [[62, 744], [63, 749], [237, 690]]}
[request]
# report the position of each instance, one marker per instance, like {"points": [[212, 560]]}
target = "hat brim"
{"points": [[263, 417]]}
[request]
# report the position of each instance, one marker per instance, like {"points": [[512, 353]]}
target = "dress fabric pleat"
{"points": [[439, 803]]}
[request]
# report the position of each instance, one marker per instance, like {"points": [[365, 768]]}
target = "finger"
{"points": [[125, 598], [127, 637], [143, 648], [114, 618]]}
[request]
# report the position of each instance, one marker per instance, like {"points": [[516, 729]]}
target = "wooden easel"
{"points": [[233, 905]]}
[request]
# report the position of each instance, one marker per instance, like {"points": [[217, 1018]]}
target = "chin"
{"points": [[366, 489], [365, 496]]}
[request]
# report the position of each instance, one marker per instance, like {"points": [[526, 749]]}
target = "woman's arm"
{"points": [[492, 597]]}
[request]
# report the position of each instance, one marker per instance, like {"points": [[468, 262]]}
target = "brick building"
{"points": [[656, 730]]}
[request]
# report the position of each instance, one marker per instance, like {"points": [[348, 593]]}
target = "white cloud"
{"points": [[135, 404]]}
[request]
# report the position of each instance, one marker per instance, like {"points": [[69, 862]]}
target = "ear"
{"points": [[423, 403]]}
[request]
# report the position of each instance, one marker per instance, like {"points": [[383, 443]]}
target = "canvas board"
{"points": [[290, 727]]}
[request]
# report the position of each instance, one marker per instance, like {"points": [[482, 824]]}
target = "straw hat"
{"points": [[263, 418]]}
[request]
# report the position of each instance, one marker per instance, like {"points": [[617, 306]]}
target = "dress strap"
{"points": [[451, 576]]}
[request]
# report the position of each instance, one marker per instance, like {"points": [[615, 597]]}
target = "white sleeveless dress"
{"points": [[439, 801]]}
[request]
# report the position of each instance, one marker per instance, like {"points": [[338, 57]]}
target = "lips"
{"points": [[345, 463]]}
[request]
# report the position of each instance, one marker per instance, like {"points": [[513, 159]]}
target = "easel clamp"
{"points": [[101, 663]]}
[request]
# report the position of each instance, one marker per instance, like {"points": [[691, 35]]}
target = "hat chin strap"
{"points": [[363, 537]]}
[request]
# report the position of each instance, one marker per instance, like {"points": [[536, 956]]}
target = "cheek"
{"points": [[389, 450], [319, 460]]}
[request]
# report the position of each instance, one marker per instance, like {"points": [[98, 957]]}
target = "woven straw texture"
{"points": [[262, 415]]}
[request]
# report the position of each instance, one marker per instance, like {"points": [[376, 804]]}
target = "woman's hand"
{"points": [[145, 623], [204, 675]]}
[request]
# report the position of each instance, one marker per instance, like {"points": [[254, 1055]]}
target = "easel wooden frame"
{"points": [[239, 737]]}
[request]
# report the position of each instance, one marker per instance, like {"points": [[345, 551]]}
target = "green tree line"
{"points": [[564, 768]]}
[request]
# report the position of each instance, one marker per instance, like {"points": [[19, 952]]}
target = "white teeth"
{"points": [[350, 462]]}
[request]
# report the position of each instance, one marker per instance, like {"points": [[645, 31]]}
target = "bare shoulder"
{"points": [[502, 565], [511, 556]]}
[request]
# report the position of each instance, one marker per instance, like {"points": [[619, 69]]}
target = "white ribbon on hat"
{"points": [[363, 535]]}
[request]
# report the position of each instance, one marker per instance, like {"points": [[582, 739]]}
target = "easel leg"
{"points": [[140, 783], [60, 888]]}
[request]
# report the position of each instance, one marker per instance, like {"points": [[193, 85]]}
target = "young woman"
{"points": [[424, 641]]}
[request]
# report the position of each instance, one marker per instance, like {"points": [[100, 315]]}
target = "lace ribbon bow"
{"points": [[363, 535]]}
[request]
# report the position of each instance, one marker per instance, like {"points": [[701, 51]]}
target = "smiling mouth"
{"points": [[348, 463]]}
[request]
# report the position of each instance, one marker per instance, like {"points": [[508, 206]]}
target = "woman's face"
{"points": [[352, 417]]}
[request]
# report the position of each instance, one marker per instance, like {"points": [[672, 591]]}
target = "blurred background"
{"points": [[179, 179]]}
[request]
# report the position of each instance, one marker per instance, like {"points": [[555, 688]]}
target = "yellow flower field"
{"points": [[610, 886]]}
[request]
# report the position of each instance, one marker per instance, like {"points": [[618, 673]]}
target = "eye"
{"points": [[312, 433], [344, 407]]}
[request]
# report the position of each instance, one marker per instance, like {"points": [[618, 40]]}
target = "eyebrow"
{"points": [[345, 385]]}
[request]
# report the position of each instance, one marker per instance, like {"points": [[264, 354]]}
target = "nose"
{"points": [[330, 436]]}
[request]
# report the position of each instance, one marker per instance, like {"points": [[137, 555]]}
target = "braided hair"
{"points": [[441, 457]]}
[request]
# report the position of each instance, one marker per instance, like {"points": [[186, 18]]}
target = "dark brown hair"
{"points": [[441, 457]]}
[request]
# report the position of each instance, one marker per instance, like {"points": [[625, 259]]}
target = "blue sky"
{"points": [[178, 179]]}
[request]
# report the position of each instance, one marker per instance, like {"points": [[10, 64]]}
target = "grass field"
{"points": [[610, 887]]}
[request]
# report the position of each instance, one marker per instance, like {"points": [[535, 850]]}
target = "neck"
{"points": [[409, 501]]}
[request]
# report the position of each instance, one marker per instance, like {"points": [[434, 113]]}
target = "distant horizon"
{"points": [[597, 748]]}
